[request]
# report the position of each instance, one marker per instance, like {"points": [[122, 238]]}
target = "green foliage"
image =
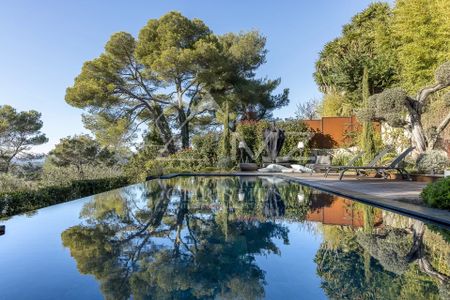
{"points": [[205, 146], [364, 42], [19, 131], [13, 203], [203, 156], [53, 175], [437, 194], [422, 40], [335, 104], [10, 183], [175, 75], [433, 161], [391, 249], [391, 106], [135, 167], [79, 151], [368, 141], [252, 132]]}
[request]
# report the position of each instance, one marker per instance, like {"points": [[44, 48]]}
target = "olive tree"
{"points": [[398, 109]]}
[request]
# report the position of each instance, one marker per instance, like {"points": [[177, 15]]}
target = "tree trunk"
{"points": [[184, 128], [164, 129], [8, 165], [226, 131], [418, 136]]}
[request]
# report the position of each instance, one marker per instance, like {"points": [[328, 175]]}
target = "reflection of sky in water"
{"points": [[292, 274], [36, 265]]}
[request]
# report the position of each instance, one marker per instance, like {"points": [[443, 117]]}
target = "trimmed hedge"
{"points": [[437, 194], [24, 201]]}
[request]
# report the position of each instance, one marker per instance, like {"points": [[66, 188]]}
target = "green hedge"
{"points": [[437, 194], [23, 201]]}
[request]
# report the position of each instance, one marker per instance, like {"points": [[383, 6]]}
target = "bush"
{"points": [[54, 175], [11, 183], [205, 148], [437, 194], [253, 134], [22, 201], [433, 161]]}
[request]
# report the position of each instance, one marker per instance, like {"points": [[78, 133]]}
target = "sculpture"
{"points": [[274, 139]]}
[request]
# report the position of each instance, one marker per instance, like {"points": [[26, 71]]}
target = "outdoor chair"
{"points": [[349, 164], [394, 165]]}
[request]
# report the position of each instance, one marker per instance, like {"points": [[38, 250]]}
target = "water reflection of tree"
{"points": [[388, 262], [166, 241]]}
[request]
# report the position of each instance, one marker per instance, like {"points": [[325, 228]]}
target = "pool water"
{"points": [[221, 238]]}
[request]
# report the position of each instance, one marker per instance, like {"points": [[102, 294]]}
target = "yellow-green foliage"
{"points": [[252, 132], [438, 251], [335, 104], [421, 29]]}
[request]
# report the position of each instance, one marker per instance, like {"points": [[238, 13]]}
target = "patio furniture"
{"points": [[372, 163], [394, 165], [349, 164], [321, 163]]}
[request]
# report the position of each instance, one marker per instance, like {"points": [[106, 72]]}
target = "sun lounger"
{"points": [[394, 165], [349, 164], [372, 163]]}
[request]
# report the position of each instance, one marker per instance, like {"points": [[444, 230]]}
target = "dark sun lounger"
{"points": [[394, 165], [350, 164]]}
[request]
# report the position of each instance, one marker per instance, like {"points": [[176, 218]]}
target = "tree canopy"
{"points": [[175, 72], [19, 131], [79, 151], [364, 43], [398, 109]]}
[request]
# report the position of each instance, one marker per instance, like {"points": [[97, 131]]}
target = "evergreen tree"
{"points": [[368, 137]]}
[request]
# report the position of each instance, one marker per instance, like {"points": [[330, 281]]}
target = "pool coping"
{"points": [[428, 214]]}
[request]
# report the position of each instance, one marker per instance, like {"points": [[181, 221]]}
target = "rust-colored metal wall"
{"points": [[332, 132]]}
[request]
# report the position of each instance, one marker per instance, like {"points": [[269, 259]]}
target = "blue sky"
{"points": [[43, 44]]}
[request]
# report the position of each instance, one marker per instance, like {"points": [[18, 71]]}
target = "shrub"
{"points": [[253, 134], [11, 183], [22, 201], [437, 194], [55, 175], [135, 168], [205, 148], [433, 161]]}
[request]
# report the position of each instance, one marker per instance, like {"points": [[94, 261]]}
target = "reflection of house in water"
{"points": [[338, 211]]}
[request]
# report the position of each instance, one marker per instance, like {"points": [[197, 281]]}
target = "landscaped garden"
{"points": [[176, 97]]}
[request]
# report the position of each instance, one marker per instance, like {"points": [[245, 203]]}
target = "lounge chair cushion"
{"points": [[273, 168]]}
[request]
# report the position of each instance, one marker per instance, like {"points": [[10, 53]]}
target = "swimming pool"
{"points": [[221, 237]]}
